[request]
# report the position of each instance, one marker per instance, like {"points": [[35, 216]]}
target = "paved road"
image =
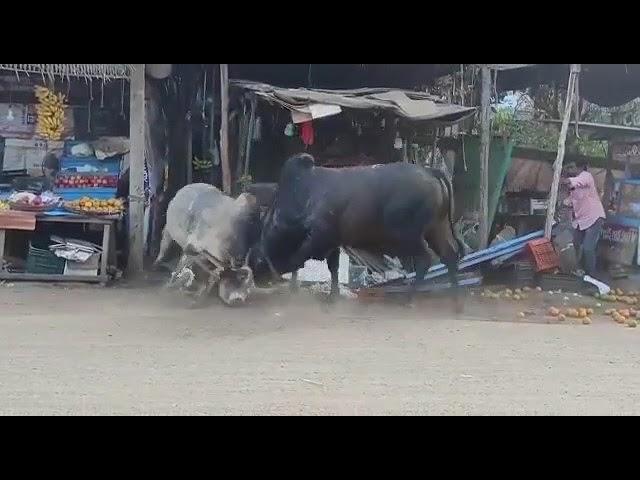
{"points": [[88, 351]]}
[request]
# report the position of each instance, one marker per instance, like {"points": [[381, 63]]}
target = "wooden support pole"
{"points": [[485, 148], [136, 170], [250, 134], [224, 128], [557, 166]]}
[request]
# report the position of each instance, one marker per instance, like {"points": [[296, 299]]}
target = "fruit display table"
{"points": [[108, 246]]}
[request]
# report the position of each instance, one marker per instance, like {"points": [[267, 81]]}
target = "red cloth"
{"points": [[307, 133]]}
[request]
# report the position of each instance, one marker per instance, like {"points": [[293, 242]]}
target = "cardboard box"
{"points": [[17, 121], [28, 154], [89, 268]]}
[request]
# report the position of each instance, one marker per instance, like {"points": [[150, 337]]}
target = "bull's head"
{"points": [[236, 284], [246, 230]]}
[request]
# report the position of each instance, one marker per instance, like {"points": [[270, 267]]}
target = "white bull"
{"points": [[215, 232]]}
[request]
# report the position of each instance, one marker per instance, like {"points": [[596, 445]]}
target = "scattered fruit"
{"points": [[562, 317], [572, 313], [632, 324], [554, 312], [586, 321], [517, 297], [589, 311], [522, 315]]}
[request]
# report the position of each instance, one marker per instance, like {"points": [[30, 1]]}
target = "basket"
{"points": [[544, 255], [113, 214], [40, 261]]}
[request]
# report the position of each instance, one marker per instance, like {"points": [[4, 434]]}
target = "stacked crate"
{"points": [[87, 177]]}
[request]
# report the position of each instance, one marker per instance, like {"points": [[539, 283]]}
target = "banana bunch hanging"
{"points": [[50, 110], [199, 164]]}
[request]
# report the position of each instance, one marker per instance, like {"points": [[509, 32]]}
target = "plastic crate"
{"points": [[71, 194], [70, 164], [543, 255], [41, 261]]}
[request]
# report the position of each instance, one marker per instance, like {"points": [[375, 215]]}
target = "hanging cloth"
{"points": [[307, 133]]}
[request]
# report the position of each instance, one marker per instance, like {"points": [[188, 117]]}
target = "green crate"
{"points": [[42, 261]]}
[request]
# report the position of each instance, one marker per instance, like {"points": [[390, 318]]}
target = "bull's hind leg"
{"points": [[450, 251], [422, 265], [165, 247]]}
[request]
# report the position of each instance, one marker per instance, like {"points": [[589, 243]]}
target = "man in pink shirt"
{"points": [[588, 214]]}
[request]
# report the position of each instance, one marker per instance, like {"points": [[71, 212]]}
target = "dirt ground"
{"points": [[87, 351]]}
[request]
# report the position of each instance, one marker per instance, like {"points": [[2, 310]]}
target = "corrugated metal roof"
{"points": [[106, 71]]}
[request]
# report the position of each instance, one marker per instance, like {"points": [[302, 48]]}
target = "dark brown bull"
{"points": [[396, 209]]}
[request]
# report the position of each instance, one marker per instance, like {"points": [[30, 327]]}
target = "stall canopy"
{"points": [[313, 103], [105, 71], [605, 84]]}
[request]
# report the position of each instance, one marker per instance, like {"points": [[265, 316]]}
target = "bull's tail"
{"points": [[449, 188]]}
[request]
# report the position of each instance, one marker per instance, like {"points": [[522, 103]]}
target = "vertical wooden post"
{"points": [[250, 133], [224, 128], [485, 148], [136, 170], [189, 151], [557, 166]]}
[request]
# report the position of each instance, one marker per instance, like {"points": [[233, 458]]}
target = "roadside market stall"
{"points": [[64, 132]]}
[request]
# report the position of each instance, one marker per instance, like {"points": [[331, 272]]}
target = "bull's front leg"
{"points": [[315, 246], [294, 285], [333, 262], [183, 273], [205, 290]]}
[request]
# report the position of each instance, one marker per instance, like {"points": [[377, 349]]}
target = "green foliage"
{"points": [[528, 132]]}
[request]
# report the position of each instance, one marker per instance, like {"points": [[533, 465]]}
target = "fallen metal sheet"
{"points": [[512, 247], [424, 288]]}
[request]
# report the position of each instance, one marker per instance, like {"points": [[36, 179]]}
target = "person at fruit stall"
{"points": [[50, 166], [588, 214]]}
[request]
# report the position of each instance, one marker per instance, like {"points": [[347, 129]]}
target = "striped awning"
{"points": [[105, 71]]}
